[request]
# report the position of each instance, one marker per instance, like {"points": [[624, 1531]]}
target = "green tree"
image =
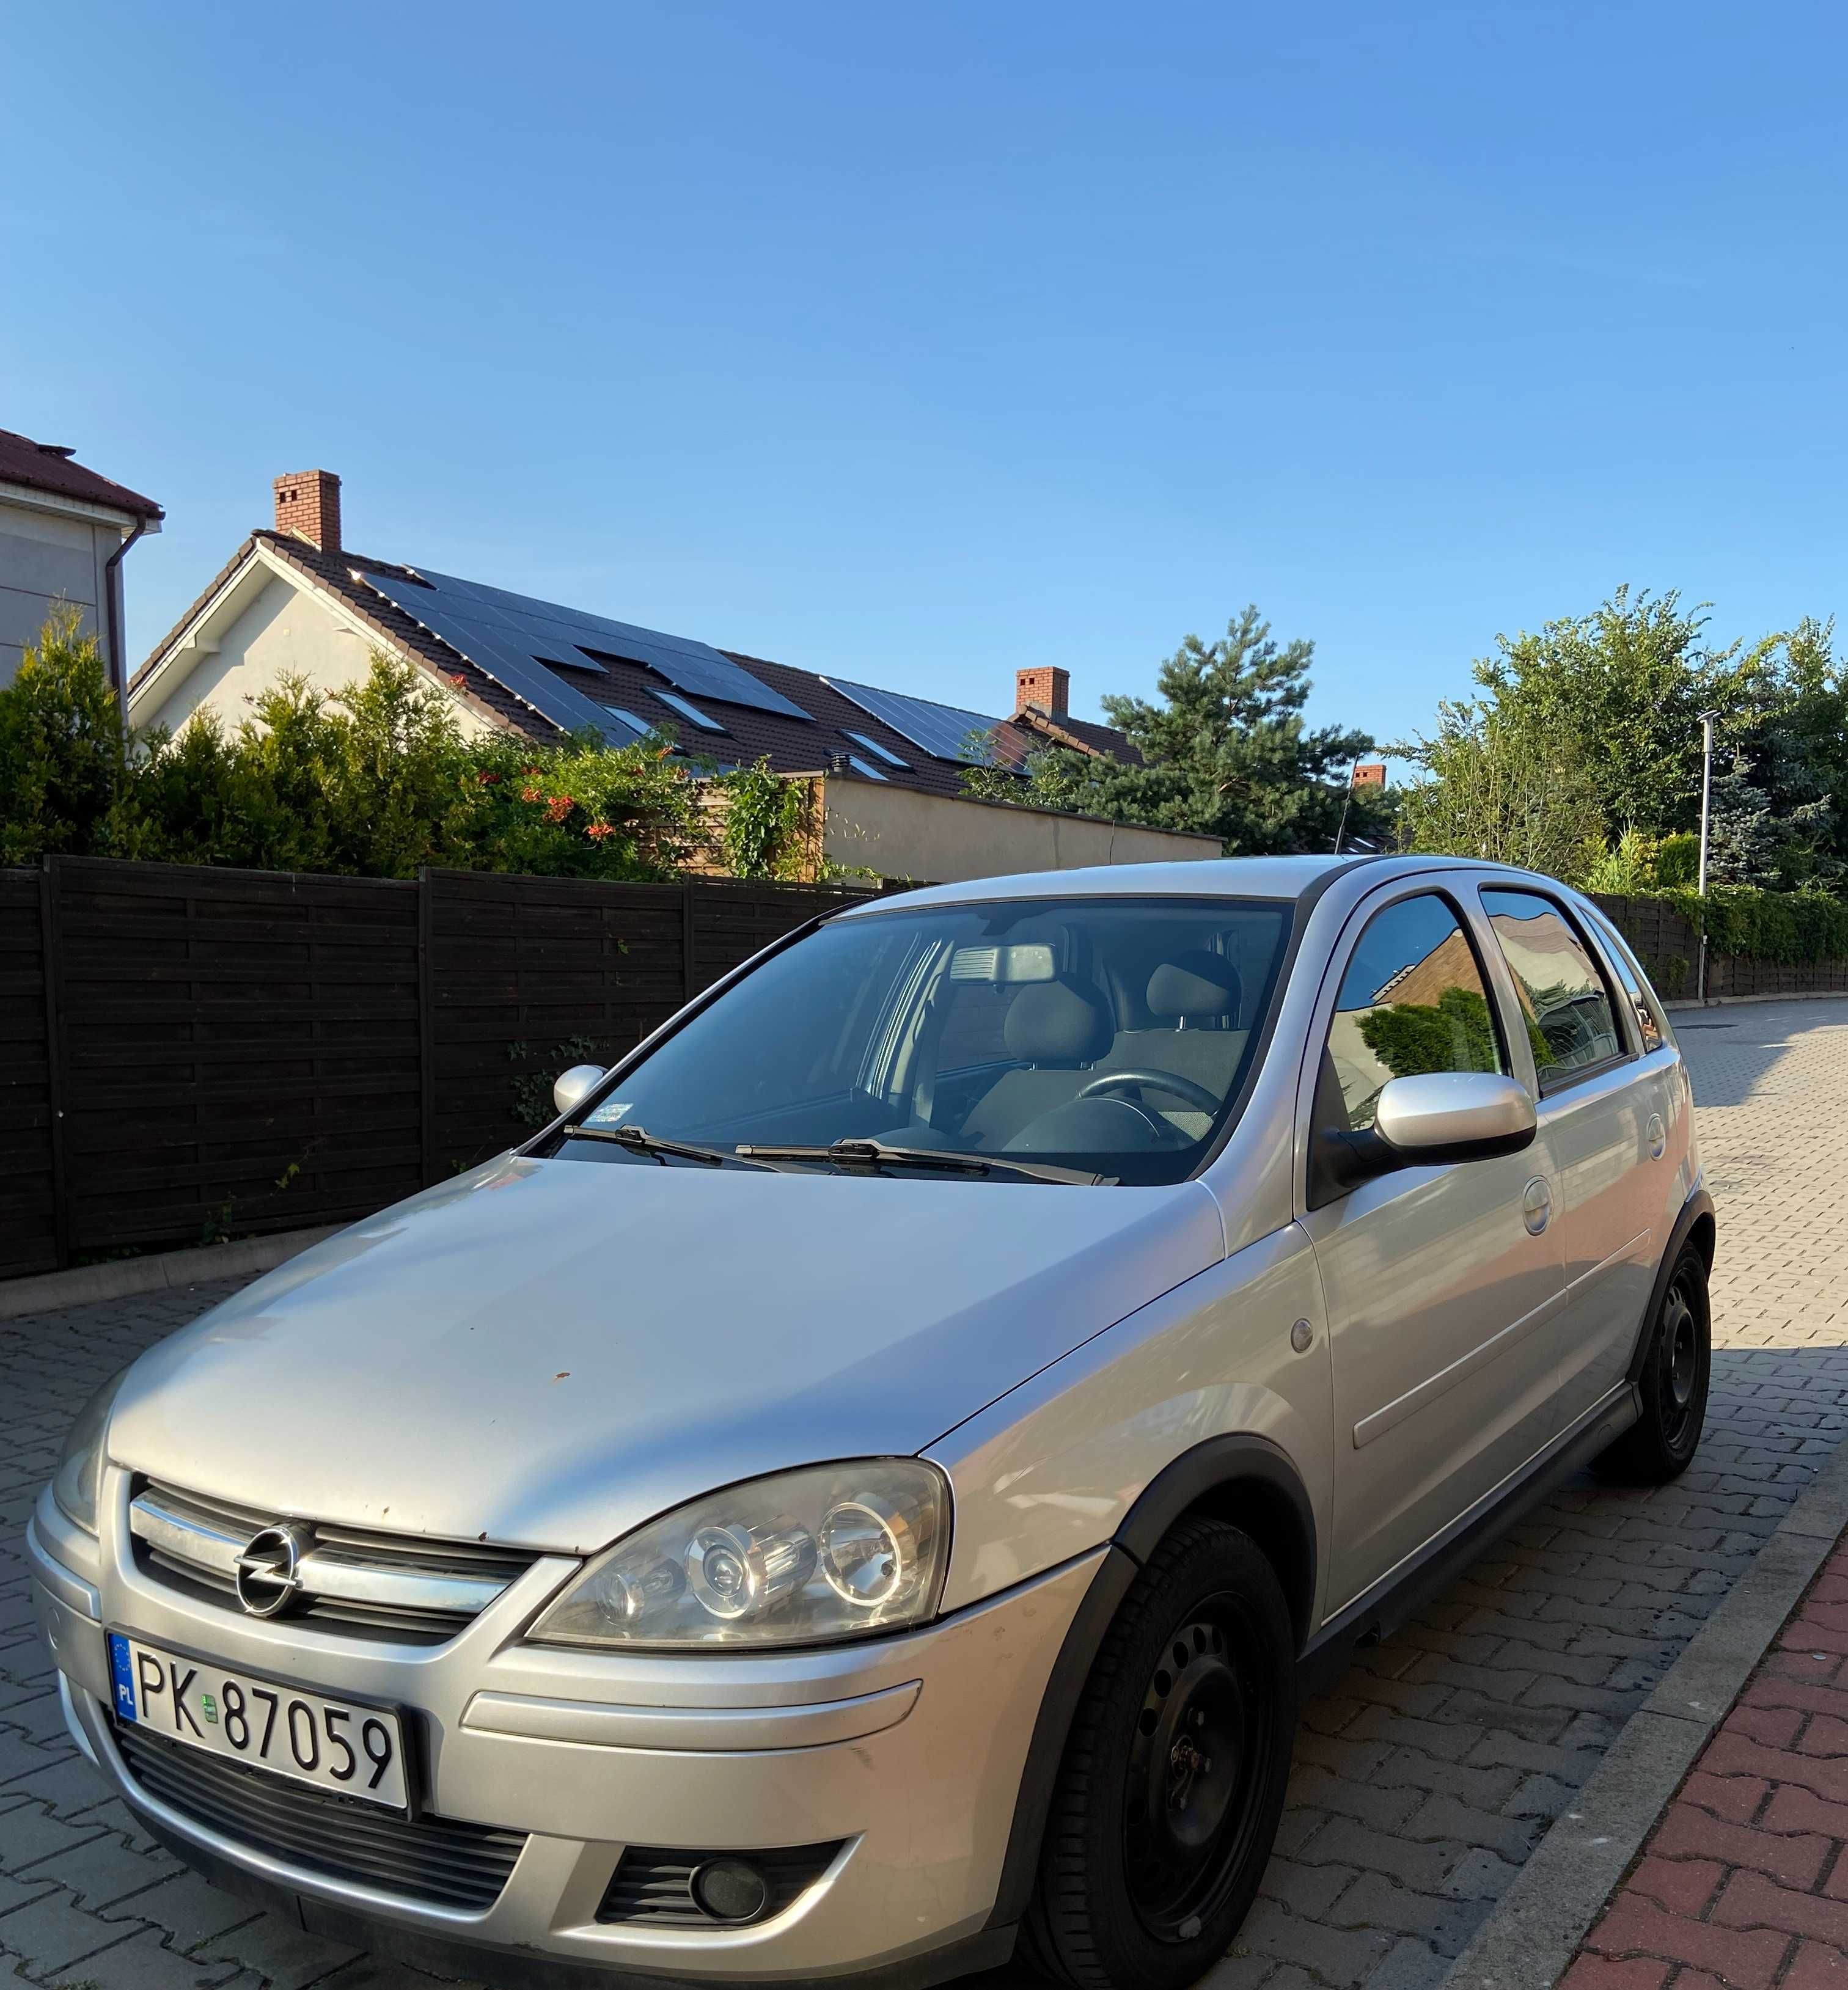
{"points": [[1501, 783], [63, 761], [1620, 691], [1225, 750], [1795, 754]]}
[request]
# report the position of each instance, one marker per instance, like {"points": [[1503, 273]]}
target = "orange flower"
{"points": [[488, 777], [598, 830], [459, 679], [533, 794], [557, 807]]}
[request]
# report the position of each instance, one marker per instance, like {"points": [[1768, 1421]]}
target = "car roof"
{"points": [[1286, 878]]}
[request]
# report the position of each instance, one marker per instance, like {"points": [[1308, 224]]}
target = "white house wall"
{"points": [[282, 628], [46, 559]]}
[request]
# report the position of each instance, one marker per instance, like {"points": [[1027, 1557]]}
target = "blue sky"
{"points": [[921, 343]]}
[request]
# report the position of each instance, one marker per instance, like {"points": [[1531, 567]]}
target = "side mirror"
{"points": [[571, 1088], [1436, 1117], [1454, 1115]]}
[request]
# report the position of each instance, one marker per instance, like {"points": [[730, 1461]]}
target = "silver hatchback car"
{"points": [[866, 1487]]}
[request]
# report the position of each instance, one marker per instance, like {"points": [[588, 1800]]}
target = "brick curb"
{"points": [[86, 1284], [1537, 1927]]}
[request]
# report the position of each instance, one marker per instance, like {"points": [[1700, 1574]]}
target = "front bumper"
{"points": [[908, 1751]]}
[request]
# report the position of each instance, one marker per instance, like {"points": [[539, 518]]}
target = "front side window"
{"points": [[1412, 1000], [1109, 1037], [1562, 994]]}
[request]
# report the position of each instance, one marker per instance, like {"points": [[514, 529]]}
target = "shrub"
{"points": [[374, 781]]}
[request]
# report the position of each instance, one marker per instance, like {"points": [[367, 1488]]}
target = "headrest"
{"points": [[1196, 983], [1052, 1022]]}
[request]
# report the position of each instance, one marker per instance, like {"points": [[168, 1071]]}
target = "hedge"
{"points": [[1791, 928]]}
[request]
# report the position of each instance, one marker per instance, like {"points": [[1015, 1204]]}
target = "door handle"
{"points": [[1537, 1205]]}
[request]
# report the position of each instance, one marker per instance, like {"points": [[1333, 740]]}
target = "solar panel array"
{"points": [[942, 730], [509, 635]]}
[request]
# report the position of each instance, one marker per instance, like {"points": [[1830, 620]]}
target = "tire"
{"points": [[1172, 1782], [1678, 1362]]}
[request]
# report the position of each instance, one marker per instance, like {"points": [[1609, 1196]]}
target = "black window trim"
{"points": [[1580, 1073]]}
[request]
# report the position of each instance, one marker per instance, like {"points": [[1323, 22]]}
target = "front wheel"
{"points": [[1173, 1780], [1676, 1363]]}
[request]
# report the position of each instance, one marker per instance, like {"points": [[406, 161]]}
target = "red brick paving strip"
{"points": [[1744, 1882]]}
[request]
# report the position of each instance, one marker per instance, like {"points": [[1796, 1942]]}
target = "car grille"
{"points": [[654, 1884], [440, 1859], [404, 1587]]}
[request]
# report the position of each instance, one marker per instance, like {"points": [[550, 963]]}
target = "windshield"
{"points": [[1105, 1036]]}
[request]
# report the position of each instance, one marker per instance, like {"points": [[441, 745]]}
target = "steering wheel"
{"points": [[1183, 1089]]}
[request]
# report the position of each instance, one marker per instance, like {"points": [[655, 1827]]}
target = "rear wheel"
{"points": [[1677, 1363], [1172, 1783]]}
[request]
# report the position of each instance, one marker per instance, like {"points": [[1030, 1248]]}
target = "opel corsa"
{"points": [[862, 1492]]}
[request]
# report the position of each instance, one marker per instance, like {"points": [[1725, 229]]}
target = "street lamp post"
{"points": [[1707, 798]]}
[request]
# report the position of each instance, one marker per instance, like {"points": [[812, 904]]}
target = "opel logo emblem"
{"points": [[268, 1571]]}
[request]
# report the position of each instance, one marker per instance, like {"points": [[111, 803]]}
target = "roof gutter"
{"points": [[112, 568]]}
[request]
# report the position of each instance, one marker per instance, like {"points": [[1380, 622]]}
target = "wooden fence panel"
{"points": [[29, 1237], [240, 1049], [530, 974], [527, 975]]}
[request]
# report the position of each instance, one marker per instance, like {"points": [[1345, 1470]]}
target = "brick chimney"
{"points": [[1370, 774], [1048, 686], [307, 505]]}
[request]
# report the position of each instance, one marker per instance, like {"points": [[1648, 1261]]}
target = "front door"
{"points": [[1440, 1281]]}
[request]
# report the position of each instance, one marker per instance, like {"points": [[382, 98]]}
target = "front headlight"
{"points": [[805, 1557], [79, 1473]]}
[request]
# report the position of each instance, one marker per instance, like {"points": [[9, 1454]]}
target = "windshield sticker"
{"points": [[609, 1113]]}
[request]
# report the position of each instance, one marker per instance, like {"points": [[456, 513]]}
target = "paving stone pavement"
{"points": [[1422, 1782]]}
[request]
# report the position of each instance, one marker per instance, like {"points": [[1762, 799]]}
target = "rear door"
{"points": [[1441, 1282], [1601, 1114]]}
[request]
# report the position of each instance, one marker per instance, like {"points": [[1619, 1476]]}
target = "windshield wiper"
{"points": [[877, 1154], [643, 1142]]}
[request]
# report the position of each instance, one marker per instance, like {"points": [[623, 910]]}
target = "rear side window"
{"points": [[1412, 1001], [1563, 997], [1649, 1026]]}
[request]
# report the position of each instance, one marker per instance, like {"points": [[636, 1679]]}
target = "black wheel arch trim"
{"points": [[1218, 1464]]}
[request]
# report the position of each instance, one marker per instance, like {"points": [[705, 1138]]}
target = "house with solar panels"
{"points": [[885, 767]]}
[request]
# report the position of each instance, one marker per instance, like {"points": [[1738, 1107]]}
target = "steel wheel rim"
{"points": [[1198, 1766], [1680, 1365]]}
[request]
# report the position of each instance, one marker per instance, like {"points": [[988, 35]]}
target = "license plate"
{"points": [[355, 1751]]}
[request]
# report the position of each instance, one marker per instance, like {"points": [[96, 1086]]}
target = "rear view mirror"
{"points": [[1024, 960], [570, 1089], [1454, 1115], [1433, 1117]]}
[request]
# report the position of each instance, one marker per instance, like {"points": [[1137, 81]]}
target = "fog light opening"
{"points": [[730, 1889]]}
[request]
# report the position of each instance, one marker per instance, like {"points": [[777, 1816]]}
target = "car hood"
{"points": [[546, 1354]]}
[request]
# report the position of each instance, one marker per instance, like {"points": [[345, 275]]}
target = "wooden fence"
{"points": [[187, 1053], [1669, 947]]}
